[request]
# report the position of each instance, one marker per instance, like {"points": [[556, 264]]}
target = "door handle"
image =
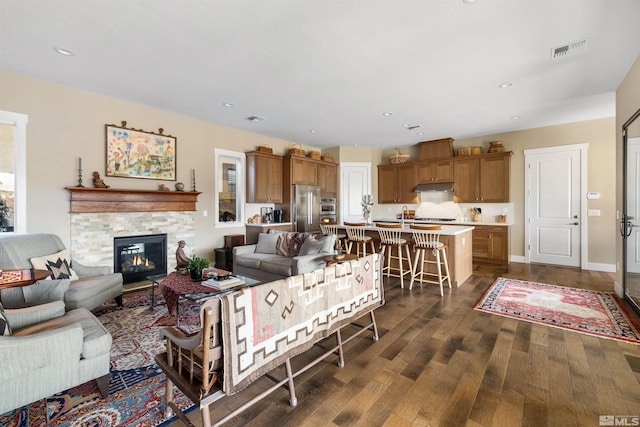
{"points": [[626, 227], [574, 223]]}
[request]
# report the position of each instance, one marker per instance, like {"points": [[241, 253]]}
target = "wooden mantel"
{"points": [[94, 200]]}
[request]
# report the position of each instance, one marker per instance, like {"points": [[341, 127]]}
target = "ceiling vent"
{"points": [[255, 118], [570, 49], [413, 127]]}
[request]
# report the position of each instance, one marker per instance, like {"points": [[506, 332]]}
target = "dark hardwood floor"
{"points": [[440, 363]]}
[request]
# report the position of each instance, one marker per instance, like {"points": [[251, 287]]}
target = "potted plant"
{"points": [[195, 267]]}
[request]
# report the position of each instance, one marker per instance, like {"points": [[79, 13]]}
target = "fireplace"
{"points": [[137, 257]]}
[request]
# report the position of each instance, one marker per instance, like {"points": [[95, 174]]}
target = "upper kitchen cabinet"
{"points": [[435, 171], [483, 179], [306, 171], [264, 178], [328, 179], [302, 170], [397, 183]]}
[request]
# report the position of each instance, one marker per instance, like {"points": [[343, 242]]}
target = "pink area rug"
{"points": [[137, 387], [595, 313]]}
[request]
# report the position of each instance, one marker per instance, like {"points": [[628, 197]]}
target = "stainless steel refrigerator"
{"points": [[305, 207]]}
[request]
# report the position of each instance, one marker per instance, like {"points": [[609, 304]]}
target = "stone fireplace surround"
{"points": [[99, 215]]}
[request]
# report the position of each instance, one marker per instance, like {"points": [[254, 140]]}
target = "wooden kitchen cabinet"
{"points": [[303, 171], [491, 244], [435, 171], [328, 179], [306, 171], [264, 178], [483, 179], [396, 183]]}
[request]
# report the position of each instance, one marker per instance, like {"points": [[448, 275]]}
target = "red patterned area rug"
{"points": [[137, 387], [595, 313]]}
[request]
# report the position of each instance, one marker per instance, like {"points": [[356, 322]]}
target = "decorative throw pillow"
{"points": [[58, 264], [283, 243], [296, 243], [328, 243], [310, 246], [267, 243], [5, 329]]}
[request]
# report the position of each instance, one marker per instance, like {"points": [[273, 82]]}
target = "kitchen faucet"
{"points": [[404, 209]]}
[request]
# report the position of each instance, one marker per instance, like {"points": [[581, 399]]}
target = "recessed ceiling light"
{"points": [[468, 1], [387, 114], [505, 85], [227, 104], [515, 117], [63, 51], [255, 118], [313, 131], [420, 133]]}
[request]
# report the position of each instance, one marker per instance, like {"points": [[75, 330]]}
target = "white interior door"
{"points": [[554, 206], [633, 205], [355, 179]]}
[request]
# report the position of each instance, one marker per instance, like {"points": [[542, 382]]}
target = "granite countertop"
{"points": [[446, 230], [267, 224], [413, 221]]}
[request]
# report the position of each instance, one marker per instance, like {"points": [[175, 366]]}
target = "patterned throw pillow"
{"points": [[58, 264], [5, 329], [283, 243], [296, 244]]}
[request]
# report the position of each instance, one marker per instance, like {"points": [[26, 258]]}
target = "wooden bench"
{"points": [[195, 364]]}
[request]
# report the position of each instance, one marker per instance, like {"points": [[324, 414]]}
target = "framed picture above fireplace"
{"points": [[134, 153]]}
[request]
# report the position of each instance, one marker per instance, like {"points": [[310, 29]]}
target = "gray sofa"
{"points": [[49, 351], [94, 286], [280, 254]]}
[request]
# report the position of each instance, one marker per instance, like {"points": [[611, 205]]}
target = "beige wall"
{"points": [[600, 135], [627, 103], [66, 123]]}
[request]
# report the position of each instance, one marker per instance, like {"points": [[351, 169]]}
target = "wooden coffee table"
{"points": [[21, 277]]}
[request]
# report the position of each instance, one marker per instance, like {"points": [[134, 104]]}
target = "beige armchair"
{"points": [[50, 351]]}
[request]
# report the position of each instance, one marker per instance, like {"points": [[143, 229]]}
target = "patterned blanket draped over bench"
{"points": [[264, 325]]}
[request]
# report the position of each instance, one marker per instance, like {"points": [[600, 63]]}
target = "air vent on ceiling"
{"points": [[255, 118], [413, 127], [570, 49]]}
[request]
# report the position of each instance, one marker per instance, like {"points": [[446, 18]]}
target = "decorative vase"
{"points": [[179, 186], [196, 275]]}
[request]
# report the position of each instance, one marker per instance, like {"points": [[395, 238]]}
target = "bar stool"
{"points": [[332, 228], [425, 241], [355, 234], [391, 237]]}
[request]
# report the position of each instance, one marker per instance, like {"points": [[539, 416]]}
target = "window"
{"points": [[229, 185], [13, 218]]}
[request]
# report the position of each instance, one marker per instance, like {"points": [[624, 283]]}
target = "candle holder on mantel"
{"points": [[80, 173], [80, 179]]}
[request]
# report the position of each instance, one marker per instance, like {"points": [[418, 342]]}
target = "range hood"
{"points": [[442, 187]]}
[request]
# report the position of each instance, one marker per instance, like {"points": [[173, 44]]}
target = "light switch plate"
{"points": [[594, 212]]}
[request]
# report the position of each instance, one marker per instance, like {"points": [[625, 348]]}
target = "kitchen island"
{"points": [[458, 239]]}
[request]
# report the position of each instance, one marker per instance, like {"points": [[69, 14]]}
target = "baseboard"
{"points": [[596, 266], [608, 268], [617, 288], [517, 258]]}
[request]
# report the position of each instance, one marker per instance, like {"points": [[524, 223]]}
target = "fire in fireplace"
{"points": [[138, 257]]}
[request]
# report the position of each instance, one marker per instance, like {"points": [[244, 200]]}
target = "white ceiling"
{"points": [[335, 66]]}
